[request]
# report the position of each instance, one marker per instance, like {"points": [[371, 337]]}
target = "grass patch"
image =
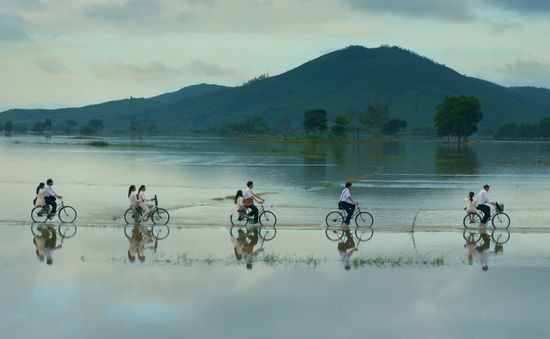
{"points": [[98, 143]]}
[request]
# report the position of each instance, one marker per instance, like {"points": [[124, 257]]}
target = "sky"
{"points": [[65, 53]]}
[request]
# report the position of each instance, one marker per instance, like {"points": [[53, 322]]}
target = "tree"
{"points": [[394, 126], [339, 129], [38, 127], [315, 121], [8, 128], [544, 128], [507, 131], [375, 117], [93, 127], [457, 116]]}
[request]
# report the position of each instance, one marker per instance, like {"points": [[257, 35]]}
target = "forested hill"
{"points": [[339, 82]]}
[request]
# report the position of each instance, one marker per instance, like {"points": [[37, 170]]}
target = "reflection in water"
{"points": [[45, 239], [245, 239], [478, 244], [347, 244], [346, 247], [455, 159], [142, 237]]}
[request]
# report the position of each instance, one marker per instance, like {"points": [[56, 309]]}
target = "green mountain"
{"points": [[341, 81]]}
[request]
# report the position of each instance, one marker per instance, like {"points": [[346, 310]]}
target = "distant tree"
{"points": [[8, 128], [507, 131], [38, 127], [528, 131], [544, 128], [93, 127], [315, 121], [247, 126], [285, 125], [355, 126], [69, 127], [457, 116], [20, 127], [394, 126], [375, 117], [255, 79], [139, 128], [339, 129]]}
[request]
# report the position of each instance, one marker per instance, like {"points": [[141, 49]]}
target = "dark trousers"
{"points": [[51, 201], [486, 213], [349, 208], [253, 211]]}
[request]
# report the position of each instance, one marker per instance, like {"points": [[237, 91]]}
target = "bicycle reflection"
{"points": [[141, 238], [245, 239], [347, 243], [47, 239], [478, 245]]}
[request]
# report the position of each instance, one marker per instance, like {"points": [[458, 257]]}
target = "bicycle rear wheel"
{"points": [[66, 230], [364, 219], [39, 214], [267, 219], [334, 219], [132, 216], [501, 220], [238, 220], [67, 214], [471, 220], [472, 236], [268, 232], [160, 232], [38, 228], [160, 216], [234, 230], [364, 233]]}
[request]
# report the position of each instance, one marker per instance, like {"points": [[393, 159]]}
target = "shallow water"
{"points": [[402, 183], [401, 285]]}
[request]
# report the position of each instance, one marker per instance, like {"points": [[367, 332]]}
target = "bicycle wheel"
{"points": [[471, 220], [160, 216], [131, 216], [268, 232], [364, 233], [472, 237], [128, 230], [38, 228], [67, 214], [364, 219], [234, 230], [160, 232], [500, 237], [237, 220], [66, 230], [267, 218], [334, 219], [39, 214], [501, 220]]}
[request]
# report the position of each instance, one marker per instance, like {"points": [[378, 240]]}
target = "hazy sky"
{"points": [[59, 53]]}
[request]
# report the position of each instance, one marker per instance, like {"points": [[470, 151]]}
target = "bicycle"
{"points": [[65, 230], [363, 224], [67, 214], [498, 218], [267, 220], [159, 216], [499, 236], [159, 232]]}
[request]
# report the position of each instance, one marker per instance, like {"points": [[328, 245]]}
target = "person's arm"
{"points": [[257, 198]]}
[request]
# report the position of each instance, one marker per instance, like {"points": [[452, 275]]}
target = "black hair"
{"points": [[239, 194], [39, 186], [141, 188], [348, 184], [130, 189], [49, 181], [249, 183], [471, 195]]}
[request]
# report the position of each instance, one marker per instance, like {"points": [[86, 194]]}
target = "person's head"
{"points": [[485, 268], [39, 187], [49, 260], [249, 184], [499, 249], [486, 187], [238, 256], [249, 265], [141, 188], [131, 189], [239, 194], [49, 182], [348, 184], [347, 267], [471, 195]]}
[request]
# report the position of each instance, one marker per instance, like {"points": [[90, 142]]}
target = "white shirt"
{"points": [[472, 205], [248, 193], [346, 194], [133, 199], [49, 192], [40, 198], [483, 197]]}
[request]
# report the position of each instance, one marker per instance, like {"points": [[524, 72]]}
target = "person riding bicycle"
{"points": [[39, 200], [248, 200], [239, 205], [247, 249], [50, 197], [471, 209], [133, 197], [347, 203], [483, 204], [343, 248], [144, 203]]}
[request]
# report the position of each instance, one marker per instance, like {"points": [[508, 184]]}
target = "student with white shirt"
{"points": [[471, 207], [248, 200], [347, 203], [144, 203], [39, 199], [343, 248], [133, 197], [483, 204], [50, 196]]}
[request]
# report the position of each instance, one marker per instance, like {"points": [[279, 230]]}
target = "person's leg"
{"points": [[350, 208], [486, 213], [54, 206], [349, 240], [254, 211]]}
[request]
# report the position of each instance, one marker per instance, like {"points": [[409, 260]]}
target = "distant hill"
{"points": [[347, 79]]}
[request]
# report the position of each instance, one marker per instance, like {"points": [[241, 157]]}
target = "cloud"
{"points": [[522, 6], [51, 65], [12, 28], [530, 73], [433, 9], [131, 10]]}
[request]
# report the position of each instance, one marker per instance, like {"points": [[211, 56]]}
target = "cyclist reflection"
{"points": [[243, 245], [478, 245], [45, 241], [140, 239], [346, 247]]}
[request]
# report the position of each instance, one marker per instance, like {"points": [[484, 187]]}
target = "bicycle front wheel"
{"points": [[364, 233], [500, 237], [160, 232], [471, 220], [67, 214], [501, 220], [66, 230], [160, 216], [268, 232], [267, 218], [364, 219], [39, 214]]}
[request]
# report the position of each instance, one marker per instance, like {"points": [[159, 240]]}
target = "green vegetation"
{"points": [[457, 116], [393, 127], [525, 131], [98, 143], [315, 121], [8, 128], [93, 127], [340, 127]]}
